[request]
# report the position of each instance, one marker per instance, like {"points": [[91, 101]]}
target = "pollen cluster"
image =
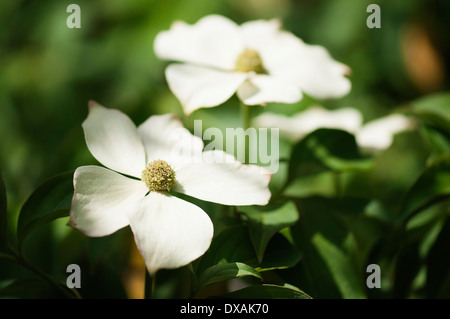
{"points": [[159, 176], [249, 61]]}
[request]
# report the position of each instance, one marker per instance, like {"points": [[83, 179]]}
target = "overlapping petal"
{"points": [[170, 232], [102, 200], [261, 89], [310, 67], [165, 137]]}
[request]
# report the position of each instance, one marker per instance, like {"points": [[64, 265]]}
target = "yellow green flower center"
{"points": [[249, 61], [159, 176]]}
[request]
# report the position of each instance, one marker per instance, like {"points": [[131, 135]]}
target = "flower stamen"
{"points": [[159, 176], [249, 61]]}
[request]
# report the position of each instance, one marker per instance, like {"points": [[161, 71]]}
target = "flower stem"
{"points": [[245, 115], [149, 285], [246, 118]]}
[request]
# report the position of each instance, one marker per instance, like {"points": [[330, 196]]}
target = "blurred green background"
{"points": [[49, 72]]}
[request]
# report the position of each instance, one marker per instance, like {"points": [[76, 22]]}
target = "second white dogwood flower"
{"points": [[258, 60], [373, 136], [143, 164]]}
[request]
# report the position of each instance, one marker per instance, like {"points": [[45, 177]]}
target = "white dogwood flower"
{"points": [[301, 124], [258, 60], [142, 165], [372, 136]]}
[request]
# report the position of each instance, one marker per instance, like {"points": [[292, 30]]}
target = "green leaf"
{"points": [[222, 272], [434, 110], [49, 201], [268, 291], [438, 265], [234, 245], [326, 149], [407, 266], [340, 266], [230, 245], [375, 209], [3, 213], [343, 223], [280, 254], [265, 222], [322, 184], [437, 139], [27, 288], [431, 187]]}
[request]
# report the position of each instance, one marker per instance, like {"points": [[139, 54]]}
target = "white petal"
{"points": [[379, 134], [266, 37], [314, 70], [198, 87], [303, 123], [255, 31], [102, 200], [287, 126], [170, 232], [165, 138], [218, 177], [261, 89], [213, 41], [285, 55], [112, 138]]}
